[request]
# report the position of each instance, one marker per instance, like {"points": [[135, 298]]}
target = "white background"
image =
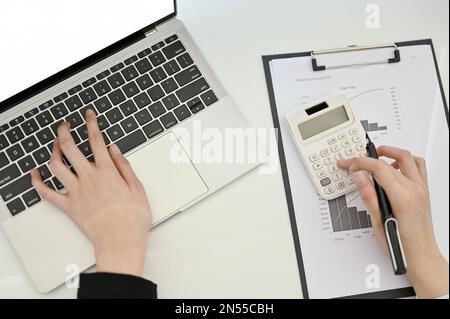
{"points": [[238, 243], [73, 30]]}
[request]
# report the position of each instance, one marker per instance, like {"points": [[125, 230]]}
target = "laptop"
{"points": [[137, 66]]}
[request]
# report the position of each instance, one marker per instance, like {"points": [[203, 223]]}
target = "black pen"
{"points": [[389, 221]]}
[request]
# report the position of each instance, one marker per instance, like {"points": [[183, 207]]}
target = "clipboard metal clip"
{"points": [[316, 67]]}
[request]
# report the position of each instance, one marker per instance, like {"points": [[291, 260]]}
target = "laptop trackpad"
{"points": [[170, 179]]}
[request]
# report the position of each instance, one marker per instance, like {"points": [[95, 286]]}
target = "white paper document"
{"points": [[399, 104]]}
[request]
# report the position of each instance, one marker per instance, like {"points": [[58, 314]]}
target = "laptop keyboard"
{"points": [[135, 101]]}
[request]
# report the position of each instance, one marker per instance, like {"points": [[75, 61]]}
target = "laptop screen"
{"points": [[39, 38]]}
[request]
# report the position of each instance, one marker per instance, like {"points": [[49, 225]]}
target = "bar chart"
{"points": [[346, 218], [373, 127]]}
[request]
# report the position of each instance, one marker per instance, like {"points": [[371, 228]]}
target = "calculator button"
{"points": [[360, 147], [340, 185], [357, 139], [332, 169], [337, 177], [350, 181], [342, 137], [328, 161], [325, 153], [317, 166], [314, 158], [325, 182], [332, 141], [336, 148], [321, 174], [345, 144], [339, 156], [346, 173], [329, 190], [349, 152], [353, 131]]}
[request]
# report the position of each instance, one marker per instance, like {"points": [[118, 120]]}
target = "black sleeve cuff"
{"points": [[115, 286]]}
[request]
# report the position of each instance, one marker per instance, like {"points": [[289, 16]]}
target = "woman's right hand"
{"points": [[406, 184]]}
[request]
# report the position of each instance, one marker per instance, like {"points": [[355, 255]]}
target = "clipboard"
{"points": [[319, 67]]}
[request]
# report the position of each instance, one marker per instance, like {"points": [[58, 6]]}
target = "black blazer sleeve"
{"points": [[115, 286]]}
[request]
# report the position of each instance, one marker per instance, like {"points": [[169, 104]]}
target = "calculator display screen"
{"points": [[323, 122]]}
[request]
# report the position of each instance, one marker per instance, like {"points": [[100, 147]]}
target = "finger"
{"points": [[96, 140], [405, 160], [123, 166], [71, 150], [422, 167], [46, 192], [381, 171], [61, 171]]}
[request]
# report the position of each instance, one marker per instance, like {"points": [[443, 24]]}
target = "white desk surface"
{"points": [[238, 243]]}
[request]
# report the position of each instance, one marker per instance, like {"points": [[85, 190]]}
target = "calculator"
{"points": [[325, 132]]}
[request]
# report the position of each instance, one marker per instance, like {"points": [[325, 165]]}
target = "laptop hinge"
{"points": [[150, 32]]}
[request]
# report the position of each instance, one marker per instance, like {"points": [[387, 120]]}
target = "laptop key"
{"points": [[3, 142], [153, 129], [46, 105], [16, 188], [143, 117], [59, 111], [144, 82], [173, 50], [169, 85], [102, 123], [103, 75], [75, 120], [158, 75], [142, 100], [44, 119], [195, 88], [42, 156], [130, 89], [187, 76], [168, 120], [144, 53], [89, 82], [129, 125], [157, 59], [15, 152], [61, 97], [30, 144], [156, 93], [17, 121], [31, 198], [29, 127], [102, 87], [171, 39], [157, 109], [130, 73], [195, 105], [16, 207], [75, 90], [170, 102], [172, 67], [131, 141], [4, 127], [73, 103], [75, 137], [185, 60], [88, 96], [143, 66], [3, 160], [45, 136], [182, 113], [8, 174], [50, 185], [117, 97], [131, 60], [102, 105], [45, 172], [26, 164], [85, 148], [83, 132], [115, 133], [88, 107], [116, 80], [32, 113], [59, 186], [209, 98], [15, 135], [55, 127], [117, 67], [158, 46], [114, 115], [128, 108]]}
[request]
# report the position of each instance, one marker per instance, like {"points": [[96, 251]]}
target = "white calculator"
{"points": [[325, 132]]}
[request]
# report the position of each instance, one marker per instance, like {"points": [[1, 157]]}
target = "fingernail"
{"points": [[359, 178], [115, 150], [89, 112]]}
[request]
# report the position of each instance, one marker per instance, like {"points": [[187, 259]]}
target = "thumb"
{"points": [[123, 165]]}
